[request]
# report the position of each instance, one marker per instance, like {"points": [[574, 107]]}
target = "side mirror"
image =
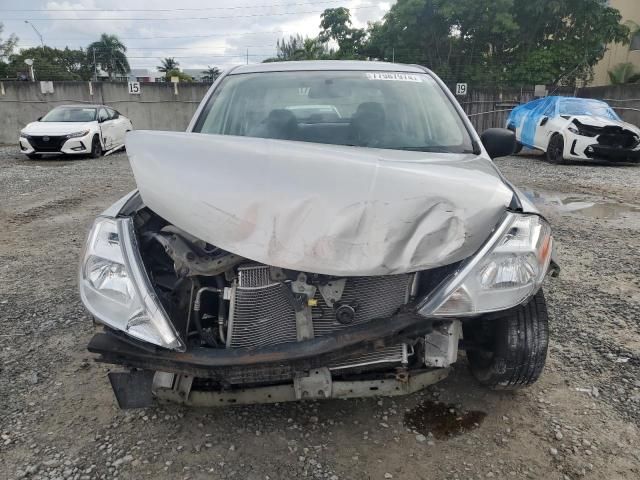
{"points": [[544, 120], [115, 115], [39, 118], [499, 142]]}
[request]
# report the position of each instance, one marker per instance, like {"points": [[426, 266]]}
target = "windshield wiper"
{"points": [[433, 149]]}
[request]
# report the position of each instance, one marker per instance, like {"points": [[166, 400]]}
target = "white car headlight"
{"points": [[78, 134], [508, 269], [115, 287]]}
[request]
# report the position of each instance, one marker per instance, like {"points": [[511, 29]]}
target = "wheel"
{"points": [[555, 150], [518, 149], [509, 352], [96, 148], [34, 156]]}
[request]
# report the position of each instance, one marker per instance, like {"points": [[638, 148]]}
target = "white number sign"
{"points": [[461, 89], [134, 88]]}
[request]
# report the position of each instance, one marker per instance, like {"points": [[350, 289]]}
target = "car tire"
{"points": [[34, 156], [555, 149], [518, 149], [509, 352], [96, 148]]}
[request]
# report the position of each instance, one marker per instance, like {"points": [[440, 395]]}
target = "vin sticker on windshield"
{"points": [[394, 76]]}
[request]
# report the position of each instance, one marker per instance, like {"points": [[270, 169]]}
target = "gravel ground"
{"points": [[58, 419]]}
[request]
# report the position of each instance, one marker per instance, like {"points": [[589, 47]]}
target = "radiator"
{"points": [[261, 314]]}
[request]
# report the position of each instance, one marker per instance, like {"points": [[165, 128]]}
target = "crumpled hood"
{"points": [[325, 209], [56, 128], [596, 121]]}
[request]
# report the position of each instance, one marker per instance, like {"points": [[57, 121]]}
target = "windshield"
{"points": [[70, 114], [391, 110], [580, 106]]}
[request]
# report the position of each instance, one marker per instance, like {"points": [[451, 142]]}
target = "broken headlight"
{"points": [[115, 288], [509, 269]]}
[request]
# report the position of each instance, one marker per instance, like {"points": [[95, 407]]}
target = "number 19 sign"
{"points": [[134, 88], [461, 89]]}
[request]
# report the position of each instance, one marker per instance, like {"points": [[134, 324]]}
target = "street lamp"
{"points": [[37, 32]]}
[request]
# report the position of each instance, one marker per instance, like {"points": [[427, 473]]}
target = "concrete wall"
{"points": [[156, 108], [617, 53]]}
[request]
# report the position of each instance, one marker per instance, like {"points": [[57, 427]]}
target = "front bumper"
{"points": [[613, 154], [218, 364], [71, 146], [169, 375], [584, 148]]}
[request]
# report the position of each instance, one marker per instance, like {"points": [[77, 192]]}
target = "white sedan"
{"points": [[569, 128], [75, 129]]}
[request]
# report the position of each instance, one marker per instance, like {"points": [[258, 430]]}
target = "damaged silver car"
{"points": [[322, 230]]}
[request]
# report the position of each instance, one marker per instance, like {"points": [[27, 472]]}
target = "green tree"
{"points": [[110, 55], [52, 63], [504, 42], [624, 73], [298, 48], [168, 64], [210, 74], [335, 24], [182, 77], [6, 49]]}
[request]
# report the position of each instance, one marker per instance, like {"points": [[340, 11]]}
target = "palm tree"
{"points": [[168, 64], [624, 73], [110, 53], [210, 74], [312, 49]]}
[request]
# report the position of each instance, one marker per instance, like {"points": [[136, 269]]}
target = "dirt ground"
{"points": [[59, 420]]}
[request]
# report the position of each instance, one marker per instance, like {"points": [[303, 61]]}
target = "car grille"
{"points": [[51, 144], [261, 314]]}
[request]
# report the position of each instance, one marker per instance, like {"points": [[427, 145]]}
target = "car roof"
{"points": [[81, 105], [327, 65]]}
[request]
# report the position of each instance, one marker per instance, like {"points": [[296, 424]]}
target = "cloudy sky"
{"points": [[196, 32]]}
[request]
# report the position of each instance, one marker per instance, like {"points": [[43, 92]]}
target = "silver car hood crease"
{"points": [[326, 209]]}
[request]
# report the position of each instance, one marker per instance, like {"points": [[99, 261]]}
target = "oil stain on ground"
{"points": [[443, 421]]}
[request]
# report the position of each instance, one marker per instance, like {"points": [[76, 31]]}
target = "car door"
{"points": [[119, 127], [106, 128], [546, 123]]}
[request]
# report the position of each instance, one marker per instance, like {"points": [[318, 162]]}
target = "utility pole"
{"points": [[95, 67], [37, 32]]}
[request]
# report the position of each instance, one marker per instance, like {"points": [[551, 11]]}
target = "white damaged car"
{"points": [[569, 128], [74, 130], [268, 256]]}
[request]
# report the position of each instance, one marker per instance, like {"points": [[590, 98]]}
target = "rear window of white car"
{"points": [[393, 110]]}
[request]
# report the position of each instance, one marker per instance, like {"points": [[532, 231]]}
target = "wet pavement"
{"points": [[568, 204]]}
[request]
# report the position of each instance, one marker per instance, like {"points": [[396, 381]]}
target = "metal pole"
{"points": [[393, 55], [95, 67], [37, 33]]}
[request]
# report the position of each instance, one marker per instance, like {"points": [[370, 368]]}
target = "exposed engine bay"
{"points": [[219, 300], [609, 135]]}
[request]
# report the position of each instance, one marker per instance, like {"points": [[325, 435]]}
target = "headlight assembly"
{"points": [[115, 288], [78, 134], [508, 269]]}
